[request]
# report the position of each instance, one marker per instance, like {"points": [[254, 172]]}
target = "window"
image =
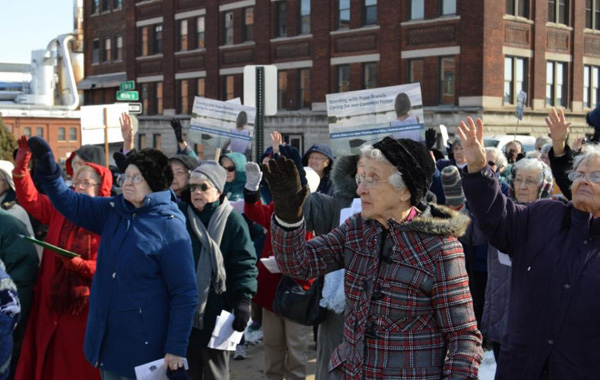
{"points": [[156, 141], [343, 14], [304, 24], [95, 6], [182, 41], [107, 50], [556, 86], [343, 78], [417, 9], [304, 89], [370, 12], [281, 19], [515, 78], [105, 5], [249, 24], [282, 89], [228, 28], [145, 41], [228, 87], [591, 86], [200, 87], [415, 71], [369, 75], [447, 80], [517, 8], [200, 32], [447, 7], [157, 39], [27, 132], [118, 4], [158, 98], [39, 131], [119, 49], [61, 134], [558, 11], [146, 98], [294, 139], [592, 14], [183, 100], [95, 52], [142, 141], [72, 134]]}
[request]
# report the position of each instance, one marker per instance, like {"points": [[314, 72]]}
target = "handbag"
{"points": [[299, 305]]}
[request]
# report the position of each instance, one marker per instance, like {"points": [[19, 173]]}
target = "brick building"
{"points": [[472, 57]]}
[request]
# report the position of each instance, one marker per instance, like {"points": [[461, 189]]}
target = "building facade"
{"points": [[472, 57]]}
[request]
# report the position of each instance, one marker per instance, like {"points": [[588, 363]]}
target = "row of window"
{"points": [[111, 52], [558, 11], [39, 131], [156, 141], [98, 6]]}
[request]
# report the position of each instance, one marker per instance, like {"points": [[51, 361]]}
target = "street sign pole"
{"points": [[260, 111]]}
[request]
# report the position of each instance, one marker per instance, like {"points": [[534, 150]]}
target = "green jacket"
{"points": [[239, 259], [234, 190]]}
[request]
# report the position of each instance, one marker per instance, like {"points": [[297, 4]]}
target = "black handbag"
{"points": [[299, 305]]}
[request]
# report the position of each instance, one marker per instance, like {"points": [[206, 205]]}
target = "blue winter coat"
{"points": [[554, 308], [144, 292]]}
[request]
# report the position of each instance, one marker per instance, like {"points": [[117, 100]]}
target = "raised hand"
{"points": [[23, 156], [559, 130], [276, 140], [430, 138], [126, 127], [178, 129], [253, 176], [288, 193], [471, 135]]}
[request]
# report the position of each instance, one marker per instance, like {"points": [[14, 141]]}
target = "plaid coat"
{"points": [[409, 313]]}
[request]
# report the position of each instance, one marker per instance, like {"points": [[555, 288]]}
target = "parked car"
{"points": [[500, 141]]}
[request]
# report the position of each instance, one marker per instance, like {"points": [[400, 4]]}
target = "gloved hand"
{"points": [[73, 264], [178, 374], [44, 158], [292, 153], [178, 129], [23, 157], [288, 193], [253, 176], [241, 312], [430, 138]]}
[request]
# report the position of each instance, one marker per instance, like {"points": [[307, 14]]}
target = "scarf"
{"points": [[69, 292], [210, 272]]}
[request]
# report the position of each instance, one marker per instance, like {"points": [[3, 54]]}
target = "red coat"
{"points": [[53, 343], [267, 281]]}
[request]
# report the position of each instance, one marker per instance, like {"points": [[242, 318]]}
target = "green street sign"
{"points": [[128, 96], [127, 86]]}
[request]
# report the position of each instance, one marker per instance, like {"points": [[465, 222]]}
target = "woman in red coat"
{"points": [[53, 343]]}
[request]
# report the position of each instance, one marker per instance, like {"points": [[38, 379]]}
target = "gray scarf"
{"points": [[210, 273]]}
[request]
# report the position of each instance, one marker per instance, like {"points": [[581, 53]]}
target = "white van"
{"points": [[499, 141]]}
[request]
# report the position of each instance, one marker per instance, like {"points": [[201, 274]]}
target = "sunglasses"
{"points": [[202, 187], [491, 163], [230, 169]]}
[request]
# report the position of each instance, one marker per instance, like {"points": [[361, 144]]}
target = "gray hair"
{"points": [[532, 164], [588, 152], [395, 179], [546, 148], [534, 154], [501, 160], [541, 141], [87, 168]]}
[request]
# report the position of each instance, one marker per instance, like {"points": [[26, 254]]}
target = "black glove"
{"points": [[178, 129], [288, 194], [430, 138], [241, 312], [292, 153], [44, 158], [178, 374]]}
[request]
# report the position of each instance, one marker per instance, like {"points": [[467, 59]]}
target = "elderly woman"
{"points": [[225, 263], [552, 331], [408, 309], [144, 293]]}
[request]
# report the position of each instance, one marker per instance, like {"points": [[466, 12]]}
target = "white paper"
{"points": [[271, 264], [238, 205], [155, 370], [504, 259], [354, 208], [224, 337]]}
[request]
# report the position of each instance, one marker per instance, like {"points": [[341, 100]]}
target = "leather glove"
{"points": [[241, 312], [430, 138], [44, 158], [23, 157], [288, 193], [292, 153], [178, 129], [253, 176]]}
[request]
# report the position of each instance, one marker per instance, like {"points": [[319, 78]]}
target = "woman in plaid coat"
{"points": [[409, 313]]}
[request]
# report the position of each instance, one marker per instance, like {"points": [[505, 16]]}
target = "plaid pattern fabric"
{"points": [[409, 312]]}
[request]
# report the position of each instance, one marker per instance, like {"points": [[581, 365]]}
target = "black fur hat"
{"points": [[412, 159], [154, 166]]}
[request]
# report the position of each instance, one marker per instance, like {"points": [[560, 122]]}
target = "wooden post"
{"points": [[106, 134], [217, 154]]}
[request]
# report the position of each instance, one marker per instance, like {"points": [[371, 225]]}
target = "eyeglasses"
{"points": [[230, 169], [199, 186], [593, 177], [491, 163], [84, 184], [368, 181], [135, 179], [527, 182], [179, 173]]}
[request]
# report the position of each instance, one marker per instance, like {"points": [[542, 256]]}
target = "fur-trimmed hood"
{"points": [[437, 220], [343, 176]]}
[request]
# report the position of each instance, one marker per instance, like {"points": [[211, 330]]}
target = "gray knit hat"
{"points": [[452, 185], [214, 172]]}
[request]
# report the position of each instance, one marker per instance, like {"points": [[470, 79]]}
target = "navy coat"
{"points": [[555, 285], [144, 291]]}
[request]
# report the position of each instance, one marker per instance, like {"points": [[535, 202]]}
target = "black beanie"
{"points": [[154, 166], [413, 161]]}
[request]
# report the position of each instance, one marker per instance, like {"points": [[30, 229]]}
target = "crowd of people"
{"points": [[448, 255]]}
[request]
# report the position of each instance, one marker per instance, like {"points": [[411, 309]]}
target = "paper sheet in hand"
{"points": [[155, 370], [53, 248], [271, 264], [224, 337]]}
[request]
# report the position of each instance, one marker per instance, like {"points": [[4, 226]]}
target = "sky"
{"points": [[27, 25]]}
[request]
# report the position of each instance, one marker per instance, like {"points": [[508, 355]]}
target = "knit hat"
{"points": [[413, 161], [593, 117], [214, 172], [154, 166], [6, 168], [452, 185], [189, 162], [88, 153]]}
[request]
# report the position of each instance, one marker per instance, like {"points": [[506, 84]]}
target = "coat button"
{"points": [[528, 269], [114, 274], [145, 342], [377, 295], [585, 242], [550, 342], [567, 286]]}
